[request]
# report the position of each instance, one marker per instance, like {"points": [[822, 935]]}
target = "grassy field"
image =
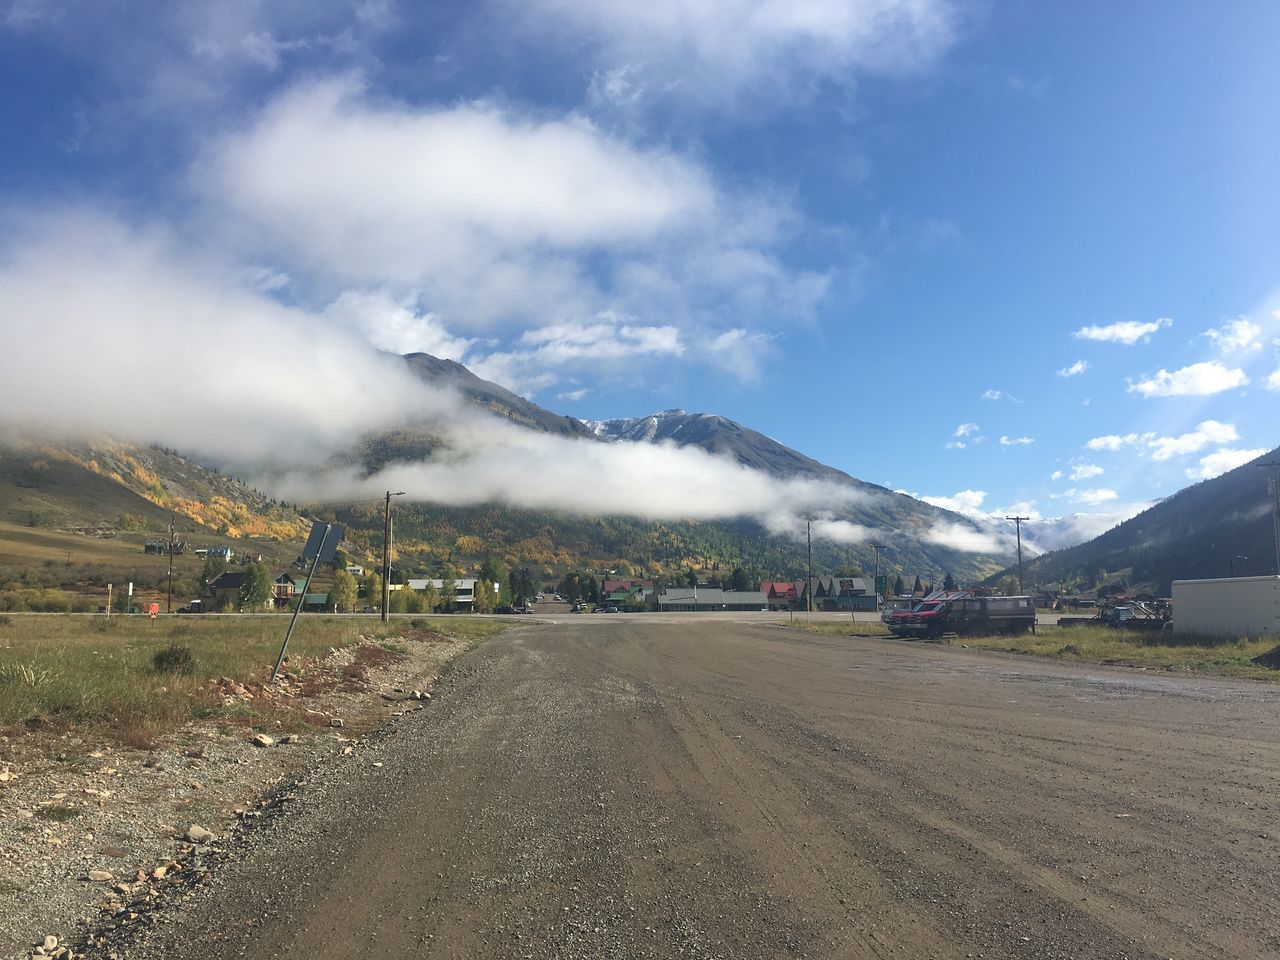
{"points": [[134, 679], [1159, 651]]}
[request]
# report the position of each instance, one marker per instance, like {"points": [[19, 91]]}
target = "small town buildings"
{"points": [[843, 593], [709, 599]]}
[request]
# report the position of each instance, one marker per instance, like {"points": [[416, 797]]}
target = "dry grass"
{"points": [[63, 672], [1161, 651]]}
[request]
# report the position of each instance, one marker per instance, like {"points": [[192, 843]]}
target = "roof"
{"points": [[710, 596], [611, 586], [228, 580], [779, 588]]}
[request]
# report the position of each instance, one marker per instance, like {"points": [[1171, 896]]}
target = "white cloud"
{"points": [[1273, 381], [86, 298], [495, 218], [750, 52], [541, 354], [1197, 380], [967, 502], [1127, 332], [1056, 475], [1114, 442], [573, 395], [1208, 432], [966, 430], [1016, 441], [962, 537], [1220, 461], [1085, 471], [1090, 497], [1237, 335], [396, 325], [992, 394], [1077, 368]]}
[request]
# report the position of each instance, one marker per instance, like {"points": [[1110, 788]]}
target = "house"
{"points": [[355, 569], [464, 590], [781, 594], [844, 593], [316, 603], [224, 553], [613, 586], [284, 588], [223, 592], [709, 599]]}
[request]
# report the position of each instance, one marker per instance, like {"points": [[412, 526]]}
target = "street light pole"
{"points": [[386, 554], [1018, 523]]}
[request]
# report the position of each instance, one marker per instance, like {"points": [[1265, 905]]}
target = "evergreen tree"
{"points": [[739, 579], [918, 587], [949, 583], [899, 588], [690, 578]]}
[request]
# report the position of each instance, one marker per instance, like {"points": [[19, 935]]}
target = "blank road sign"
{"points": [[323, 541]]}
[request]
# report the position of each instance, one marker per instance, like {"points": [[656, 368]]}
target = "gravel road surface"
{"points": [[710, 789]]}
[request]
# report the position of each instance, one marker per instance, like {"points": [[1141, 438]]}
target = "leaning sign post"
{"points": [[322, 544]]}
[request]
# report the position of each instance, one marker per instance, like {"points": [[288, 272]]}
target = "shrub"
{"points": [[174, 658]]}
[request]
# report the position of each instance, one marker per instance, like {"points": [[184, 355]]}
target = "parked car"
{"points": [[960, 612], [897, 605]]}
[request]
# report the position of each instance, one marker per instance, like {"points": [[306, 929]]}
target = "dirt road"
{"points": [[710, 789]]}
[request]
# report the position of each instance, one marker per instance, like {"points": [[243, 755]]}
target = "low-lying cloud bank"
{"points": [[111, 333]]}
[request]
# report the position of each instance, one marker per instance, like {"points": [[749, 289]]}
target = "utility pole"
{"points": [[169, 605], [386, 554], [875, 582], [808, 532], [1273, 488], [1018, 523]]}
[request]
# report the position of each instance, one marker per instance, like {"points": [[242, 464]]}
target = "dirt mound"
{"points": [[1270, 659]]}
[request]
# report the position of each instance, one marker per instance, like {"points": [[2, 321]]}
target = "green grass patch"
{"points": [[1162, 651], [135, 680]]}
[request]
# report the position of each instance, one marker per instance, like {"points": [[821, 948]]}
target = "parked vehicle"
{"points": [[1125, 613], [927, 617], [960, 612], [988, 615], [897, 605]]}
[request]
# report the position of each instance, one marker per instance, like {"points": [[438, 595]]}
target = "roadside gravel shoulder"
{"points": [[95, 836]]}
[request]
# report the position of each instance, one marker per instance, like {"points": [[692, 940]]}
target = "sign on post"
{"points": [[322, 544]]}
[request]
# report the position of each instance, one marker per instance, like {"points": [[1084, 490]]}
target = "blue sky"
{"points": [[1007, 256]]}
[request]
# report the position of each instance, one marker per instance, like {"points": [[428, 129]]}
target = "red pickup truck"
{"points": [[960, 612]]}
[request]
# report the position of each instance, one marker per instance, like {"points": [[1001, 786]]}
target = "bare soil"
{"points": [[618, 788]]}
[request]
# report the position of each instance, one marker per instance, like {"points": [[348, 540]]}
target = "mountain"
{"points": [[492, 397], [718, 435], [1199, 532], [907, 521]]}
